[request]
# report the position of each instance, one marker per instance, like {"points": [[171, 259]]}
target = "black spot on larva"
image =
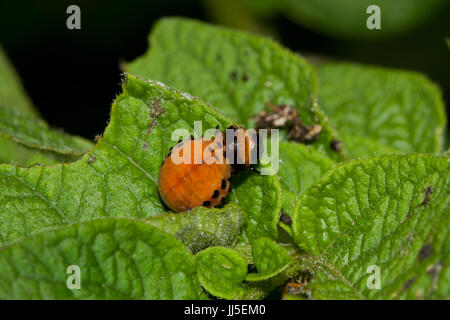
{"points": [[234, 75], [215, 194], [409, 283], [244, 77], [224, 184], [425, 251], [206, 203], [336, 145], [286, 219]]}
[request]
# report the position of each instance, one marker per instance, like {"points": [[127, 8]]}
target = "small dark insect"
{"points": [[408, 283], [336, 145], [425, 251], [286, 117], [428, 191], [234, 75], [286, 219]]}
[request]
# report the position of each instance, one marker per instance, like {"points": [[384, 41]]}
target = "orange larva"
{"points": [[202, 181]]}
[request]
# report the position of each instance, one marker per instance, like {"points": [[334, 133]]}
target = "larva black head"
{"points": [[243, 147]]}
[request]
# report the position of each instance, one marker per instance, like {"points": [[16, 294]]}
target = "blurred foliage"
{"points": [[347, 18]]}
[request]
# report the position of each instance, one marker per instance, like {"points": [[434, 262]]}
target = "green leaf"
{"points": [[119, 177], [361, 146], [389, 211], [221, 271], [12, 94], [300, 264], [393, 109], [236, 72], [300, 167], [11, 152], [13, 97], [202, 227], [259, 196], [270, 259], [349, 17], [21, 130], [36, 134], [117, 259]]}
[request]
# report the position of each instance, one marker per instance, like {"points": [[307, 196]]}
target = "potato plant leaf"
{"points": [[259, 197], [116, 258], [237, 72], [24, 138], [35, 134], [12, 94], [270, 259], [221, 271], [389, 212], [119, 177], [300, 264], [397, 110], [13, 97], [300, 167]]}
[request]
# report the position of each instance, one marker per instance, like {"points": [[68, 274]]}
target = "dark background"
{"points": [[73, 76]]}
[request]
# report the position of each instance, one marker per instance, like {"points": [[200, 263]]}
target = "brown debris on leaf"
{"points": [[156, 110], [286, 117]]}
